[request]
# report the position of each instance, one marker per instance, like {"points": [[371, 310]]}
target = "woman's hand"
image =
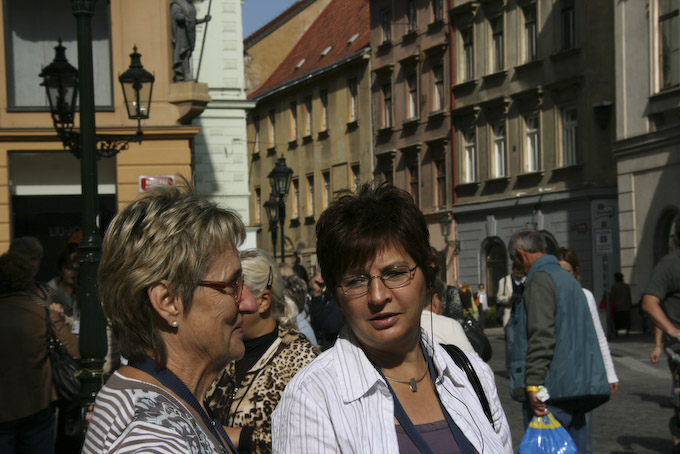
{"points": [[57, 308]]}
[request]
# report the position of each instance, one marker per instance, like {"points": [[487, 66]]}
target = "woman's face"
{"points": [[385, 320], [213, 328], [567, 266], [251, 320]]}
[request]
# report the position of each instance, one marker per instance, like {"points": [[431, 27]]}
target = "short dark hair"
{"points": [[357, 226], [26, 245], [16, 274]]}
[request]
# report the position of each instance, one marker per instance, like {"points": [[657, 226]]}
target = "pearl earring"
{"points": [[174, 324]]}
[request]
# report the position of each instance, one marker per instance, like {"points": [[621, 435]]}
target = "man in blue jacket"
{"points": [[555, 346]]}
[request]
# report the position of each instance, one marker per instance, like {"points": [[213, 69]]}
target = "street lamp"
{"points": [[445, 226], [271, 207], [60, 80], [279, 178]]}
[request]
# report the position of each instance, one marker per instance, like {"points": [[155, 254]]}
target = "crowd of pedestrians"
{"points": [[228, 351]]}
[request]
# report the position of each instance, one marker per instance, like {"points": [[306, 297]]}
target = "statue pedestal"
{"points": [[190, 99]]}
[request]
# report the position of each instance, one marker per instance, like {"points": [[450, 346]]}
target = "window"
{"points": [[468, 55], [530, 34], [356, 179], [412, 16], [256, 127], [498, 55], [386, 25], [272, 126], [295, 202], [387, 105], [500, 167], [440, 194], [308, 116], [31, 32], [669, 44], [567, 17], [438, 98], [353, 101], [470, 169], [258, 204], [326, 188], [324, 109], [387, 171], [533, 150], [412, 81], [413, 180], [293, 121], [438, 9], [310, 195], [569, 124]]}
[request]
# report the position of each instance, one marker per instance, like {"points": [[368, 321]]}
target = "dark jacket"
{"points": [[555, 342], [26, 379]]}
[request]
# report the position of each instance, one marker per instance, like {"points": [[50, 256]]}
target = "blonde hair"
{"points": [[259, 269], [169, 233]]}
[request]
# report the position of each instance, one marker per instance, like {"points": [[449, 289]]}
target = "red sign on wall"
{"points": [[147, 181]]}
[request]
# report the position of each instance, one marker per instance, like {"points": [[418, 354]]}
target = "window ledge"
{"points": [[409, 35], [666, 93], [565, 54], [385, 45], [386, 130], [467, 85], [537, 63], [294, 222], [437, 23], [256, 155], [323, 134], [353, 124], [468, 185], [438, 114], [569, 168], [504, 179], [292, 143], [310, 220], [495, 77], [535, 173], [308, 138], [271, 151], [410, 122]]}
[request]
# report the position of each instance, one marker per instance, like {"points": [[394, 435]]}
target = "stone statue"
{"points": [[183, 14]]}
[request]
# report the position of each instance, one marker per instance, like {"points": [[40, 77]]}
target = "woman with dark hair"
{"points": [[170, 283], [373, 248], [27, 395]]}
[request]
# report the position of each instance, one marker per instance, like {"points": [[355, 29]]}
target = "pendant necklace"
{"points": [[412, 382]]}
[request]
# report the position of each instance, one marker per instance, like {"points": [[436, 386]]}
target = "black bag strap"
{"points": [[463, 362], [50, 331]]}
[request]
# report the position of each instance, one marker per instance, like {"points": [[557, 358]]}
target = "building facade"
{"points": [[534, 124], [647, 147], [315, 112], [412, 108], [39, 180]]}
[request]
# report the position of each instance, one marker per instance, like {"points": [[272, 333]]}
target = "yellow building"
{"points": [[39, 180]]}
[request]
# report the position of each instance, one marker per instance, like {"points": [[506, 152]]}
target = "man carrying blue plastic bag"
{"points": [[555, 348]]}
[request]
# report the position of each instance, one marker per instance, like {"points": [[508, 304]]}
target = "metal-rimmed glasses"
{"points": [[234, 288], [395, 277]]}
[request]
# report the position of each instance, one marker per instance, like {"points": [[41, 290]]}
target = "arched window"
{"points": [[496, 258]]}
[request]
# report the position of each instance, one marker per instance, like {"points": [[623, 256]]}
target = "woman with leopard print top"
{"points": [[246, 392]]}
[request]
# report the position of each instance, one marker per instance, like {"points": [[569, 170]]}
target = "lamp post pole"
{"points": [[279, 179], [92, 321], [282, 220]]}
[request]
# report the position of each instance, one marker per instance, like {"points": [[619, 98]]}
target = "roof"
{"points": [[341, 30]]}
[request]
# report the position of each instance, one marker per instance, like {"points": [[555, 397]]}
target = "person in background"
{"points": [[483, 306], [247, 390], [65, 287], [620, 294], [510, 290], [27, 394], [325, 315], [373, 248], [444, 330], [555, 344], [32, 250], [569, 261], [295, 289], [469, 307], [170, 283]]}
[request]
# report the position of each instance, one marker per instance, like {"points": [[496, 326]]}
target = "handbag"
{"points": [[65, 369], [477, 338]]}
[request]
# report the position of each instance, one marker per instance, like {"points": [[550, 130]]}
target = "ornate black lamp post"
{"points": [[62, 82], [271, 207], [445, 226], [279, 178]]}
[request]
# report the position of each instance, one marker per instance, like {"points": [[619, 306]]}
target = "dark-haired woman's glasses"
{"points": [[234, 288], [396, 277]]}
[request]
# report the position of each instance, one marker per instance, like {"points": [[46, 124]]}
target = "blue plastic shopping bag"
{"points": [[546, 435]]}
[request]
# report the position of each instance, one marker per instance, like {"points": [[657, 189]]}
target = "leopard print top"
{"points": [[252, 402]]}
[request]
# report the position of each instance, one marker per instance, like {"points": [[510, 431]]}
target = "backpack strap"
{"points": [[463, 362]]}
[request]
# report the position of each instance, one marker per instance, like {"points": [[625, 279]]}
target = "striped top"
{"points": [[340, 403], [134, 416]]}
